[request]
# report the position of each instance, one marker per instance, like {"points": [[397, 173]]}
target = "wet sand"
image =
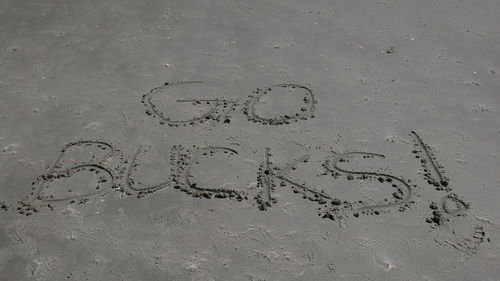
{"points": [[268, 140]]}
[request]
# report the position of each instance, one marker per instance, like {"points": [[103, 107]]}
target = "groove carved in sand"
{"points": [[403, 191], [431, 168], [108, 177], [185, 165], [219, 108], [133, 165], [307, 111]]}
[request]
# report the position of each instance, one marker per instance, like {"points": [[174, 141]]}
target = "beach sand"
{"points": [[249, 140]]}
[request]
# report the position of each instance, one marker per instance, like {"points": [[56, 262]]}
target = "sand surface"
{"points": [[249, 140]]}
